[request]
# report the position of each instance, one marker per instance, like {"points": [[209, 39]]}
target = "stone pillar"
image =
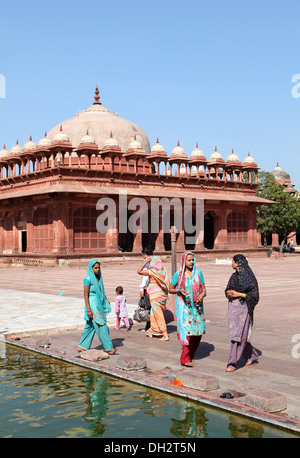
{"points": [[59, 226], [221, 238], [159, 242], [137, 243], [30, 229], [111, 239]]}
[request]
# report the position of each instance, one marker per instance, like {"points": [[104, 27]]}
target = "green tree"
{"points": [[282, 217]]}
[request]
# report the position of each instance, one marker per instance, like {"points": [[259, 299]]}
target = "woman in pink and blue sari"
{"points": [[188, 284]]}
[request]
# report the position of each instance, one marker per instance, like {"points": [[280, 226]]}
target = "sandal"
{"points": [[188, 364], [230, 369], [248, 363], [80, 349], [148, 334], [111, 352], [164, 338]]}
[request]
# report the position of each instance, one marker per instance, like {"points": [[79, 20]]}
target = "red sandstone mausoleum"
{"points": [[49, 190]]}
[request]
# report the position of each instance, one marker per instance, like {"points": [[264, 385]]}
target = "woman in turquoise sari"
{"points": [[188, 284], [96, 309]]}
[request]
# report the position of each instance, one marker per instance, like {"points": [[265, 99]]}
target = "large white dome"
{"points": [[100, 122]]}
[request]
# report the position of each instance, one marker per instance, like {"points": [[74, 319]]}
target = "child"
{"points": [[121, 309]]}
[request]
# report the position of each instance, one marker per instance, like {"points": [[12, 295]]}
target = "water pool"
{"points": [[41, 397]]}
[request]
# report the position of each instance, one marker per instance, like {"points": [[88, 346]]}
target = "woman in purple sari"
{"points": [[243, 295]]}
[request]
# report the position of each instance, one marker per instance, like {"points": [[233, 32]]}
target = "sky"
{"points": [[217, 73]]}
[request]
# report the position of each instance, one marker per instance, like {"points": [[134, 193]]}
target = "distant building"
{"points": [[282, 177]]}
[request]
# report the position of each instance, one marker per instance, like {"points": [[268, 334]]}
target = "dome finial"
{"points": [[97, 97]]}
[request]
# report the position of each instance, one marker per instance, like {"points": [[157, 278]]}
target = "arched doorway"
{"points": [[209, 231]]}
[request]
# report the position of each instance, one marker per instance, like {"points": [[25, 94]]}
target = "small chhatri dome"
{"points": [[111, 142], [178, 150], [4, 152], [61, 136], [233, 157], [249, 159], [135, 144], [30, 145], [87, 139], [157, 148], [197, 152], [45, 141], [16, 149], [215, 155]]}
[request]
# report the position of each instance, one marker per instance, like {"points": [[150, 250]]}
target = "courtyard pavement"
{"points": [[48, 301]]}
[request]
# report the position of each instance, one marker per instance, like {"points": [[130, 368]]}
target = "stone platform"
{"points": [[39, 303]]}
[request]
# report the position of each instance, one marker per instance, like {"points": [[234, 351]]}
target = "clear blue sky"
{"points": [[214, 72]]}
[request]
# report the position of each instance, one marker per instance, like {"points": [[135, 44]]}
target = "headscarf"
{"points": [[102, 307], [244, 281], [180, 301], [196, 283], [160, 273]]}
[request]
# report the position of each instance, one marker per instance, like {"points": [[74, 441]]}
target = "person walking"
{"points": [[188, 283], [121, 308], [243, 295], [158, 289], [96, 309], [146, 252]]}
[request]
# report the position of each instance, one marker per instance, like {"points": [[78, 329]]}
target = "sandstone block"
{"points": [[199, 382], [94, 355], [131, 363], [266, 401]]}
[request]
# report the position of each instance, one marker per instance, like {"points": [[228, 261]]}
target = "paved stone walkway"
{"points": [[36, 298]]}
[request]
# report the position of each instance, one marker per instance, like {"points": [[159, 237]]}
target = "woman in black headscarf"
{"points": [[243, 295]]}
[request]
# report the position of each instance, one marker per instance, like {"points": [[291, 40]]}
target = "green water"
{"points": [[41, 397]]}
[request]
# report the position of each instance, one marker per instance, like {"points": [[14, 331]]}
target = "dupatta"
{"points": [[160, 273]]}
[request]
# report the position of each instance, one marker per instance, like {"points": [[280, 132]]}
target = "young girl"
{"points": [[121, 309]]}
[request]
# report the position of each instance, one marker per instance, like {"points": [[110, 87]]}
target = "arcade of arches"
{"points": [[67, 228]]}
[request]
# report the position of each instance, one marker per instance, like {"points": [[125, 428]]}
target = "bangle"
{"points": [[244, 295], [177, 291]]}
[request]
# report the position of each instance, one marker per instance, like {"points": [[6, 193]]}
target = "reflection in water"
{"points": [[190, 421], [43, 397]]}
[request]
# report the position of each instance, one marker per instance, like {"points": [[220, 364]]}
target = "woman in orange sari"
{"points": [[158, 292]]}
